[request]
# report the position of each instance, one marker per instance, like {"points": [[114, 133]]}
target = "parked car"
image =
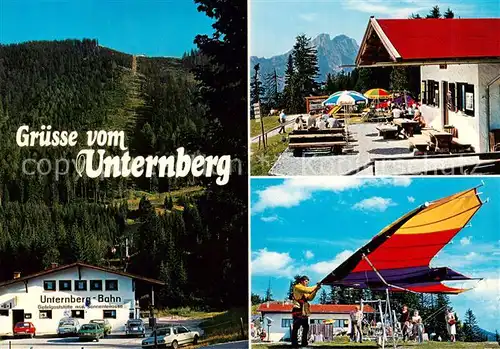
{"points": [[24, 329], [68, 326], [91, 332], [171, 336], [104, 324], [135, 327]]}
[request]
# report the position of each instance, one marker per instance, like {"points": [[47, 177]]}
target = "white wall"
{"points": [[278, 333], [487, 73], [31, 302], [469, 128]]}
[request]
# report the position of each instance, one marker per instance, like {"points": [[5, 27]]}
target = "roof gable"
{"points": [[429, 39]]}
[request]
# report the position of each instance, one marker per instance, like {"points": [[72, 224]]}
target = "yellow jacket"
{"points": [[303, 292]]}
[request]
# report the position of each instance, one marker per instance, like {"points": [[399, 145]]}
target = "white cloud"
{"points": [[325, 267], [308, 17], [375, 203], [271, 263], [293, 191], [308, 254], [269, 219], [411, 199], [465, 240]]}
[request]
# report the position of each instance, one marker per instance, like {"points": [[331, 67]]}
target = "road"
{"points": [[51, 343]]}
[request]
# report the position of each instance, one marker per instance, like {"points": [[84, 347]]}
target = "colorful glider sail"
{"points": [[398, 257]]}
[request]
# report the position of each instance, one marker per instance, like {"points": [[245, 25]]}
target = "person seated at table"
{"points": [[411, 111], [311, 122], [298, 124], [396, 112], [320, 123], [332, 122], [419, 118]]}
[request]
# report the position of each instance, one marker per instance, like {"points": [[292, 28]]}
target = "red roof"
{"points": [[279, 307], [437, 39]]}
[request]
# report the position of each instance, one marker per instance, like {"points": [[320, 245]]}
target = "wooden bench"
{"points": [[334, 138], [420, 144], [388, 132]]}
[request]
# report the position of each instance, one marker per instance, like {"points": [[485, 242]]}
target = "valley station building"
{"points": [[459, 63], [77, 290]]}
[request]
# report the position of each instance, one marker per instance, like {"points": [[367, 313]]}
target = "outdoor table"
{"points": [[407, 125], [441, 139]]}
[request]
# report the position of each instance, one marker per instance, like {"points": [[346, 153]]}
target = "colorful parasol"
{"points": [[398, 257], [377, 93], [345, 98]]}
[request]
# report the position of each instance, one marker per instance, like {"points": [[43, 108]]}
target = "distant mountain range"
{"points": [[332, 53]]}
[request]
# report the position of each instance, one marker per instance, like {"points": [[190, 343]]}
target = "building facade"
{"points": [[459, 63], [277, 317], [78, 290]]}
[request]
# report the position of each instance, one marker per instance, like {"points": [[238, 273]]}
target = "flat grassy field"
{"points": [[225, 327], [427, 345]]}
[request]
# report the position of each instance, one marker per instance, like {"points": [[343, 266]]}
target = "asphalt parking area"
{"points": [[112, 341]]}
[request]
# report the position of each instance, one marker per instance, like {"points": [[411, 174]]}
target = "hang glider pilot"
{"points": [[302, 294]]}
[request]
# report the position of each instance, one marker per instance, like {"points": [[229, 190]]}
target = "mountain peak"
{"points": [[332, 53]]}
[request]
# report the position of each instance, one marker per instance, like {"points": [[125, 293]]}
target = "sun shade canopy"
{"points": [[401, 253]]}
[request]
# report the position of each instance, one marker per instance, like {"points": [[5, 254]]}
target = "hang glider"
{"points": [[398, 257]]}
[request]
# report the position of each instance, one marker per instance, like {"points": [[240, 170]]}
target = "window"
{"points": [[78, 314], [432, 93], [451, 97], [109, 314], [423, 92], [315, 321], [49, 285], [465, 98], [45, 314], [27, 315], [80, 285], [285, 323], [64, 285], [111, 285], [182, 330], [96, 285], [4, 312]]}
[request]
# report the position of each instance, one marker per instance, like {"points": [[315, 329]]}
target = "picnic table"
{"points": [[407, 125], [388, 131], [333, 138], [442, 141]]}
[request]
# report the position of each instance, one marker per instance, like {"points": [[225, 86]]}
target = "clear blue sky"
{"points": [[310, 225], [274, 24], [153, 28]]}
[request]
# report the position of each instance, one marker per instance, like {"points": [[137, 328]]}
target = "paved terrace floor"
{"points": [[369, 145]]}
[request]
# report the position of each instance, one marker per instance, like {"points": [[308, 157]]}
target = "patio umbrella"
{"points": [[345, 98], [377, 93]]}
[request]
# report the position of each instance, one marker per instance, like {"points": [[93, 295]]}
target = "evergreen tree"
{"points": [[273, 98], [434, 13], [415, 16], [269, 293], [399, 79], [256, 89], [449, 14], [290, 90], [323, 297], [168, 202], [305, 62], [471, 331], [256, 299]]}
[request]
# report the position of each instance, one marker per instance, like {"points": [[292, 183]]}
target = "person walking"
{"points": [[450, 324], [302, 294], [282, 122]]}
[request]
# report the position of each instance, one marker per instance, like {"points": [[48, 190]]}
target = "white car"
{"points": [[171, 336]]}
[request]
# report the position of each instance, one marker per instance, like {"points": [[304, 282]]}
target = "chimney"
{"points": [[267, 304], [53, 265], [17, 275]]}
